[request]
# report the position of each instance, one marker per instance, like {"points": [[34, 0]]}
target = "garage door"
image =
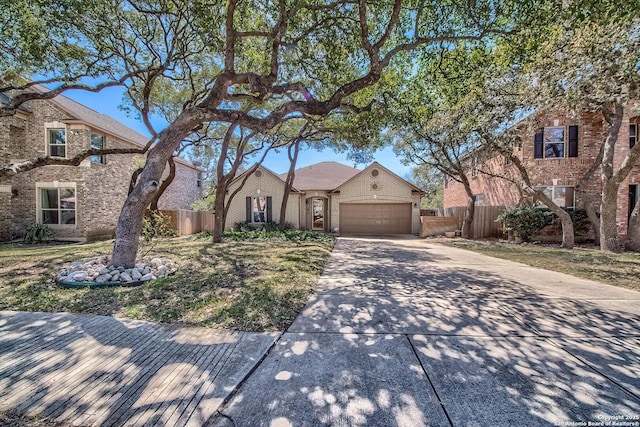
{"points": [[375, 218]]}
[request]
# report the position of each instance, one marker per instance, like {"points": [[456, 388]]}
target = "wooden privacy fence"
{"points": [[187, 222], [484, 221]]}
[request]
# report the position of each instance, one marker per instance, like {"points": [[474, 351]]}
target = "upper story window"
{"points": [[97, 142], [199, 180], [58, 205], [556, 142], [56, 143], [633, 134]]}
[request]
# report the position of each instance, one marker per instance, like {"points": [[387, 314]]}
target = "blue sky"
{"points": [[108, 100]]}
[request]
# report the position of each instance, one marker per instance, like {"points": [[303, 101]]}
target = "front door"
{"points": [[317, 212]]}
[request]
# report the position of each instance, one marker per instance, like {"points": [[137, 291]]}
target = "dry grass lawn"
{"points": [[587, 262], [247, 285]]}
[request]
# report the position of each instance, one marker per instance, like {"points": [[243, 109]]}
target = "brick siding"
{"points": [[101, 189], [566, 171]]}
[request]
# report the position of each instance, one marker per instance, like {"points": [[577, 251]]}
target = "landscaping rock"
{"points": [[99, 271], [80, 276], [103, 278]]}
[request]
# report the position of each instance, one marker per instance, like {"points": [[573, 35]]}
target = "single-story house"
{"points": [[332, 197]]}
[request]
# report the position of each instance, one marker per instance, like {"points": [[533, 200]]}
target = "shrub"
{"points": [[293, 235], [525, 221], [261, 226], [157, 225], [203, 235], [38, 233]]}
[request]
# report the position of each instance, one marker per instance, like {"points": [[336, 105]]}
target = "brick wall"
{"points": [[565, 171], [183, 189], [101, 189], [268, 185]]}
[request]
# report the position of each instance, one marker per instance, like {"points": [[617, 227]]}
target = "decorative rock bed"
{"points": [[98, 272]]}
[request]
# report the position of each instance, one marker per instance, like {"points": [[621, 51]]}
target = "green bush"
{"points": [[203, 235], [155, 224], [38, 233], [292, 235], [261, 226], [525, 221]]}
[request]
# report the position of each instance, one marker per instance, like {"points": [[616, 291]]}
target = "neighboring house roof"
{"points": [[322, 176], [97, 120], [103, 122]]}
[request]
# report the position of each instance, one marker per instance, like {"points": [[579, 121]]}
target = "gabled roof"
{"points": [[269, 171], [104, 123], [97, 120], [376, 165], [322, 176]]}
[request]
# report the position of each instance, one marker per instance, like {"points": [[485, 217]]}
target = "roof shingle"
{"points": [[322, 176]]}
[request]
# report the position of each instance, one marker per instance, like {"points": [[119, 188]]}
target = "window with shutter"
{"points": [[573, 141], [538, 150]]}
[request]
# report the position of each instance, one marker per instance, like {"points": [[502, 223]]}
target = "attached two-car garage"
{"points": [[375, 218]]}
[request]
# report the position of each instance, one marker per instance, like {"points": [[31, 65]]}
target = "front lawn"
{"points": [[253, 285], [587, 262]]}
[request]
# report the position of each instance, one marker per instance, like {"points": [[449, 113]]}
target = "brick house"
{"points": [[556, 157], [79, 202], [330, 196]]}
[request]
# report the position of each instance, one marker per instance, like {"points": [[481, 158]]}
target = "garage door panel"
{"points": [[375, 218]]}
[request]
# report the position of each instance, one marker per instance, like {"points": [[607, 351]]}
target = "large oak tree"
{"points": [[249, 64]]}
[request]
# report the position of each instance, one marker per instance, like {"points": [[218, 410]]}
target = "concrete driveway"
{"points": [[411, 333]]}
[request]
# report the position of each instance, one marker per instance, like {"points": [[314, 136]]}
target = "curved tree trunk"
{"points": [[293, 159], [633, 231], [609, 240], [467, 222], [594, 220], [134, 179], [568, 233], [129, 226], [165, 184], [219, 217], [608, 213]]}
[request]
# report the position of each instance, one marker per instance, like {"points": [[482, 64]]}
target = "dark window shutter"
{"points": [[248, 208], [269, 214], [573, 141], [538, 146]]}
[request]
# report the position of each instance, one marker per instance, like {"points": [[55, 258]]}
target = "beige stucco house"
{"points": [[78, 202], [329, 196]]}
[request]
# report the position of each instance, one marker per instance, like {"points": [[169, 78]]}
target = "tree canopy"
{"points": [[253, 64]]}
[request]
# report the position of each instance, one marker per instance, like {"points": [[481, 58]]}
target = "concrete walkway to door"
{"points": [[411, 333]]}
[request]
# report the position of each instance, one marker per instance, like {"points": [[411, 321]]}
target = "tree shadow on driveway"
{"points": [[395, 336]]}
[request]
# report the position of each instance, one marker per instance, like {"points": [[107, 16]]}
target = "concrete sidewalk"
{"points": [[91, 370], [411, 333]]}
